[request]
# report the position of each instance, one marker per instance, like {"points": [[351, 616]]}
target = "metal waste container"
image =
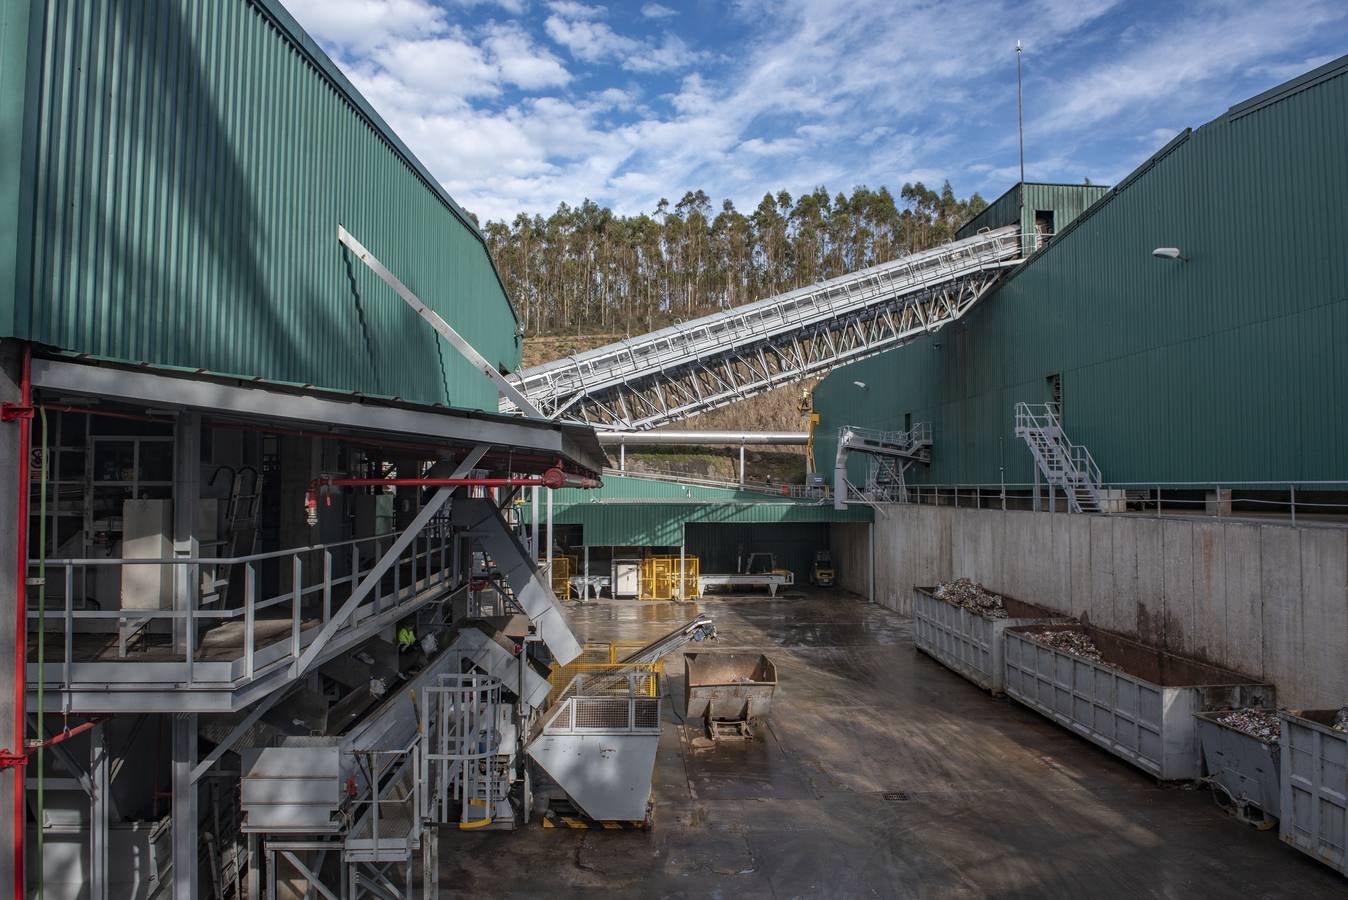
{"points": [[1241, 766], [1315, 786], [729, 687]]}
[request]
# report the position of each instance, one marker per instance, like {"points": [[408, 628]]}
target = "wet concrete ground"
{"points": [[879, 774]]}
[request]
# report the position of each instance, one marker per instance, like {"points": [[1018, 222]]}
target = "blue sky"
{"points": [[517, 105]]}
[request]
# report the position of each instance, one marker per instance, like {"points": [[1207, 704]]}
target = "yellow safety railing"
{"points": [[660, 578], [562, 567]]}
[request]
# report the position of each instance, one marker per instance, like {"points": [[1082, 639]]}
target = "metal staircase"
{"points": [[1065, 465], [716, 360], [889, 455]]}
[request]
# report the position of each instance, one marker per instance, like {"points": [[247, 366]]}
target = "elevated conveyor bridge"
{"points": [[706, 363]]}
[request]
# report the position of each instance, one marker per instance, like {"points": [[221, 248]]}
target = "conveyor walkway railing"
{"points": [[718, 359]]}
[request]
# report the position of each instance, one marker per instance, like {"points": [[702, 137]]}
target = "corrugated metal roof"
{"points": [[640, 512], [1224, 368], [190, 163]]}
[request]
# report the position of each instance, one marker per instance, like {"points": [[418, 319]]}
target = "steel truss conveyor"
{"points": [[706, 363]]}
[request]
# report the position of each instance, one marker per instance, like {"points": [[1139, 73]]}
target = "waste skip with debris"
{"points": [[728, 689], [1315, 784], [1136, 701], [960, 624], [1240, 760]]}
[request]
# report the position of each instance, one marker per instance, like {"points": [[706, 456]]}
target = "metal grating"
{"points": [[647, 713], [600, 712]]}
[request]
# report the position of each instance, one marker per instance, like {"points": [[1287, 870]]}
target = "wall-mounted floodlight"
{"points": [[860, 384], [1169, 253]]}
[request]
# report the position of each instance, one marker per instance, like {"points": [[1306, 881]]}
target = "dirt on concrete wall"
{"points": [[1270, 601]]}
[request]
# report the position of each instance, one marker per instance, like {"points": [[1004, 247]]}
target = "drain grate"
{"points": [[898, 796]]}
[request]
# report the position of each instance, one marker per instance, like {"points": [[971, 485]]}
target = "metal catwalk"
{"points": [[718, 359]]}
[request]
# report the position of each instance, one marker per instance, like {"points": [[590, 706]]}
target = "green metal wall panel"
{"points": [[193, 162], [14, 35], [1227, 368], [638, 512]]}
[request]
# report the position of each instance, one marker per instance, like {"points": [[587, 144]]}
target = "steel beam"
{"points": [[445, 330], [100, 811], [185, 850], [707, 363], [237, 732], [312, 410], [386, 562]]}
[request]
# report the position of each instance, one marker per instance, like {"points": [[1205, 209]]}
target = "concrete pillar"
{"points": [[1218, 502], [185, 818], [99, 812], [585, 585], [11, 599]]}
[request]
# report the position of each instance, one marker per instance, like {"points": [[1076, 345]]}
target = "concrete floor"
{"points": [[986, 798]]}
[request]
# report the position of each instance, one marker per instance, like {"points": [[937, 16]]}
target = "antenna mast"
{"points": [[1020, 115]]}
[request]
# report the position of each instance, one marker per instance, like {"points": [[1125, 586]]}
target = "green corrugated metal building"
{"points": [[1040, 209], [644, 512], [173, 196], [1226, 368]]}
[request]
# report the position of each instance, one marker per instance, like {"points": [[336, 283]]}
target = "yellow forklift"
{"points": [[822, 573]]}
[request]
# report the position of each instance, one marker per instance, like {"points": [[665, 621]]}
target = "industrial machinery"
{"points": [[822, 572], [598, 740], [757, 570]]}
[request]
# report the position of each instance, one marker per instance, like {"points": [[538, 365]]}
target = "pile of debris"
{"points": [[1077, 643], [1257, 723], [1341, 719], [972, 596]]}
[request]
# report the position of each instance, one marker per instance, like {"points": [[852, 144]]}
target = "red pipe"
{"points": [[68, 733], [21, 611], [430, 482]]}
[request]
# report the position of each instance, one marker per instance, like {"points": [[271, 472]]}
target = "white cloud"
{"points": [[356, 26], [835, 92], [1182, 61], [521, 62]]}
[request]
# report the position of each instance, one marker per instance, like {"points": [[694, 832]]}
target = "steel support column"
{"points": [[548, 537], [100, 812], [186, 503], [185, 850]]}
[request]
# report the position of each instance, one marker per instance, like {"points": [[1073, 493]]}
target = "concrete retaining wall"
{"points": [[1270, 601]]}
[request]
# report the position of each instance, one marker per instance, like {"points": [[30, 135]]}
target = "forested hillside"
{"points": [[584, 270]]}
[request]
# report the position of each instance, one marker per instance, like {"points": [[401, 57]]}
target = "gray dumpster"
{"points": [[967, 643], [1138, 703], [1241, 766], [728, 687], [1315, 786]]}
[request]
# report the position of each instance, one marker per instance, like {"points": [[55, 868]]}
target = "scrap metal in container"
{"points": [[1077, 643], [1257, 723], [972, 596]]}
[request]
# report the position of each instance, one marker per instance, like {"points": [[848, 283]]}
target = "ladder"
{"points": [[1064, 464]]}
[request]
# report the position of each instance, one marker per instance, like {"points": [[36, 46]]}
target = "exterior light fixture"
{"points": [[1169, 253], [860, 384]]}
